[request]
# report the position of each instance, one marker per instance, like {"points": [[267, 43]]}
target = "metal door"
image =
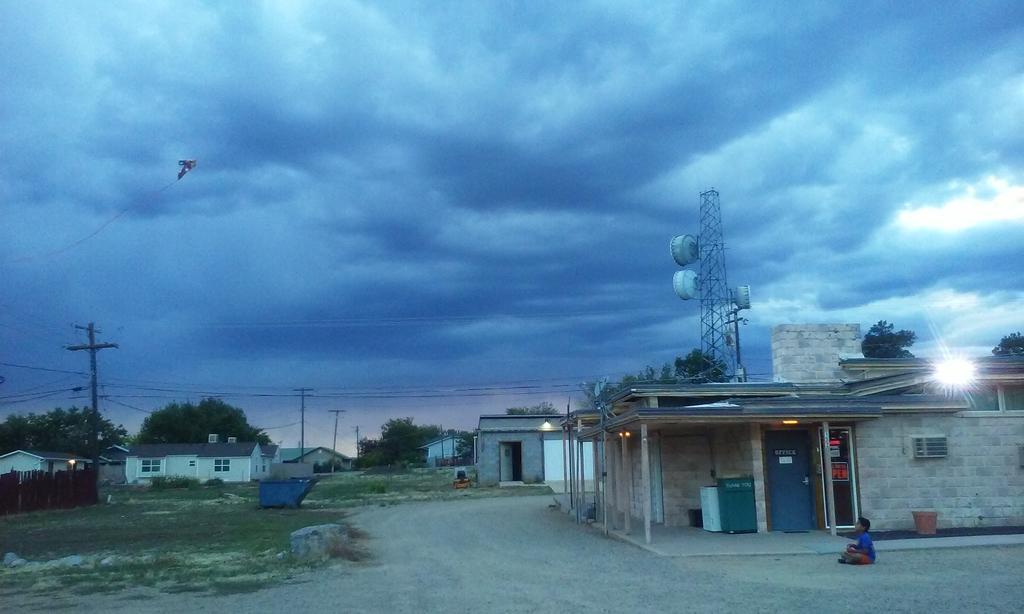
{"points": [[789, 480]]}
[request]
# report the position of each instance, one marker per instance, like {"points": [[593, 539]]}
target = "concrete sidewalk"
{"points": [[694, 542], [962, 541]]}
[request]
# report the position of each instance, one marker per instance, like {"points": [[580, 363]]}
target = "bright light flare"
{"points": [[955, 372]]}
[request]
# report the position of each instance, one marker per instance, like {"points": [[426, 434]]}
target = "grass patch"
{"points": [[212, 538]]}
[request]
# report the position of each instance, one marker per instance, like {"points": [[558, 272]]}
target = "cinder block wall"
{"points": [[732, 451], [533, 456], [686, 464], [737, 451], [810, 353], [980, 482], [685, 467]]}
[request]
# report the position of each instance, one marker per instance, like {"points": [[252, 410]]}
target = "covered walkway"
{"points": [[690, 541]]}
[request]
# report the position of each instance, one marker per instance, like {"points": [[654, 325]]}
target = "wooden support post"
{"points": [[580, 480], [598, 511], [604, 481], [612, 492], [829, 489], [627, 487], [645, 475], [565, 460]]}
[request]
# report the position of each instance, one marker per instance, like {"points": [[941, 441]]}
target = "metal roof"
{"points": [[204, 450], [43, 455]]}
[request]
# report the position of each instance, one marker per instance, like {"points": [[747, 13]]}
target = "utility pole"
{"points": [[94, 418], [334, 446], [357, 442], [302, 421]]}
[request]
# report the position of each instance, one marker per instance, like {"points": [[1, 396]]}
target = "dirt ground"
{"points": [[516, 555]]}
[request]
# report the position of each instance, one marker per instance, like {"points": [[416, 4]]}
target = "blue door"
{"points": [[789, 480]]}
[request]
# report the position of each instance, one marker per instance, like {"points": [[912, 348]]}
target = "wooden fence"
{"points": [[30, 491]]}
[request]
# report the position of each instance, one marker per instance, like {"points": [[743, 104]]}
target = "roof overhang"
{"points": [[735, 413]]}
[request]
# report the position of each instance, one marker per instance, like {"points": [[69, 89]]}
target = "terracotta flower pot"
{"points": [[925, 522]]}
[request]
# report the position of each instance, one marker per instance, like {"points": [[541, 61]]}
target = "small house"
{"points": [[529, 449], [229, 461], [320, 457], [38, 460]]}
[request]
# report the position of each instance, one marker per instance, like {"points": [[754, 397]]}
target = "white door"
{"points": [[554, 473], [506, 462]]}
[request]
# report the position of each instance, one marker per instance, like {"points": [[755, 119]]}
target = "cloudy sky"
{"points": [[444, 209]]}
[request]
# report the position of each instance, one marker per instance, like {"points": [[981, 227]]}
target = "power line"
{"points": [[45, 395], [33, 368], [128, 405], [273, 428], [30, 394], [353, 321]]}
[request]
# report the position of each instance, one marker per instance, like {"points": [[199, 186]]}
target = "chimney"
{"points": [[810, 353], [212, 438], [232, 439]]}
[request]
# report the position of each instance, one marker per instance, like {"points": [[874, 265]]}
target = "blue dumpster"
{"points": [[284, 493]]}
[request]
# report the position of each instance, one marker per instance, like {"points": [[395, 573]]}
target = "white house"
{"points": [[231, 461], [37, 460]]}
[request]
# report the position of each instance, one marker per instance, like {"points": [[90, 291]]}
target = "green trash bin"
{"points": [[736, 505]]}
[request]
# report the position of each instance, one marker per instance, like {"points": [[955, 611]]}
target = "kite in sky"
{"points": [[186, 166]]}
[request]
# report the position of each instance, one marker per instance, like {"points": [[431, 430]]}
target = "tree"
{"points": [[188, 423], [881, 341], [399, 443], [464, 444], [542, 408], [700, 368], [58, 430], [695, 368], [1010, 345]]}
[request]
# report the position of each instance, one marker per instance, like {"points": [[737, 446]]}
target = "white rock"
{"points": [[10, 557], [108, 561], [74, 560], [317, 541]]}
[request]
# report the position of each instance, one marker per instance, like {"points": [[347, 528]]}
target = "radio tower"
{"points": [[715, 301], [719, 304]]}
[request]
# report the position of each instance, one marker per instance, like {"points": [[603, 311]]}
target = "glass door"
{"points": [[844, 485]]}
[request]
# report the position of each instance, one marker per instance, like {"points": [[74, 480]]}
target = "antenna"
{"points": [[719, 306]]}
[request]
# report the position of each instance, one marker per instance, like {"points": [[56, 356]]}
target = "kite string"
{"points": [[92, 234]]}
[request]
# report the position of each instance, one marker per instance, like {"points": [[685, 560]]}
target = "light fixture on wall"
{"points": [[791, 422]]}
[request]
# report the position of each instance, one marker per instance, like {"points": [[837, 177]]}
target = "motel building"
{"points": [[835, 436]]}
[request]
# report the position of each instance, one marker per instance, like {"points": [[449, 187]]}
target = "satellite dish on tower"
{"points": [[684, 249], [685, 284], [742, 297]]}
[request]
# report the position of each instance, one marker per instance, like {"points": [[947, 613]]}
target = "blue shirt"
{"points": [[864, 544]]}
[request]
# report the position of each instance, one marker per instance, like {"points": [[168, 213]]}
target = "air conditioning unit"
{"points": [[232, 439], [212, 438], [930, 447]]}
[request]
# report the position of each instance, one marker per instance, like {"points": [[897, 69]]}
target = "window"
{"points": [[192, 463], [930, 447], [1013, 398], [221, 465], [150, 465], [984, 399]]}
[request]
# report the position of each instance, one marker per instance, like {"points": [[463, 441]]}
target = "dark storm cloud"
{"points": [[399, 193]]}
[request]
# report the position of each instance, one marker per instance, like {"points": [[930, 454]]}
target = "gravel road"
{"points": [[516, 555]]}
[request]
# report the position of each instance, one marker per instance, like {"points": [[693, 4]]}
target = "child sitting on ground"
{"points": [[863, 552]]}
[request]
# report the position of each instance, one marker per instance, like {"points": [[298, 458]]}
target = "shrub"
{"points": [[164, 483], [214, 482]]}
